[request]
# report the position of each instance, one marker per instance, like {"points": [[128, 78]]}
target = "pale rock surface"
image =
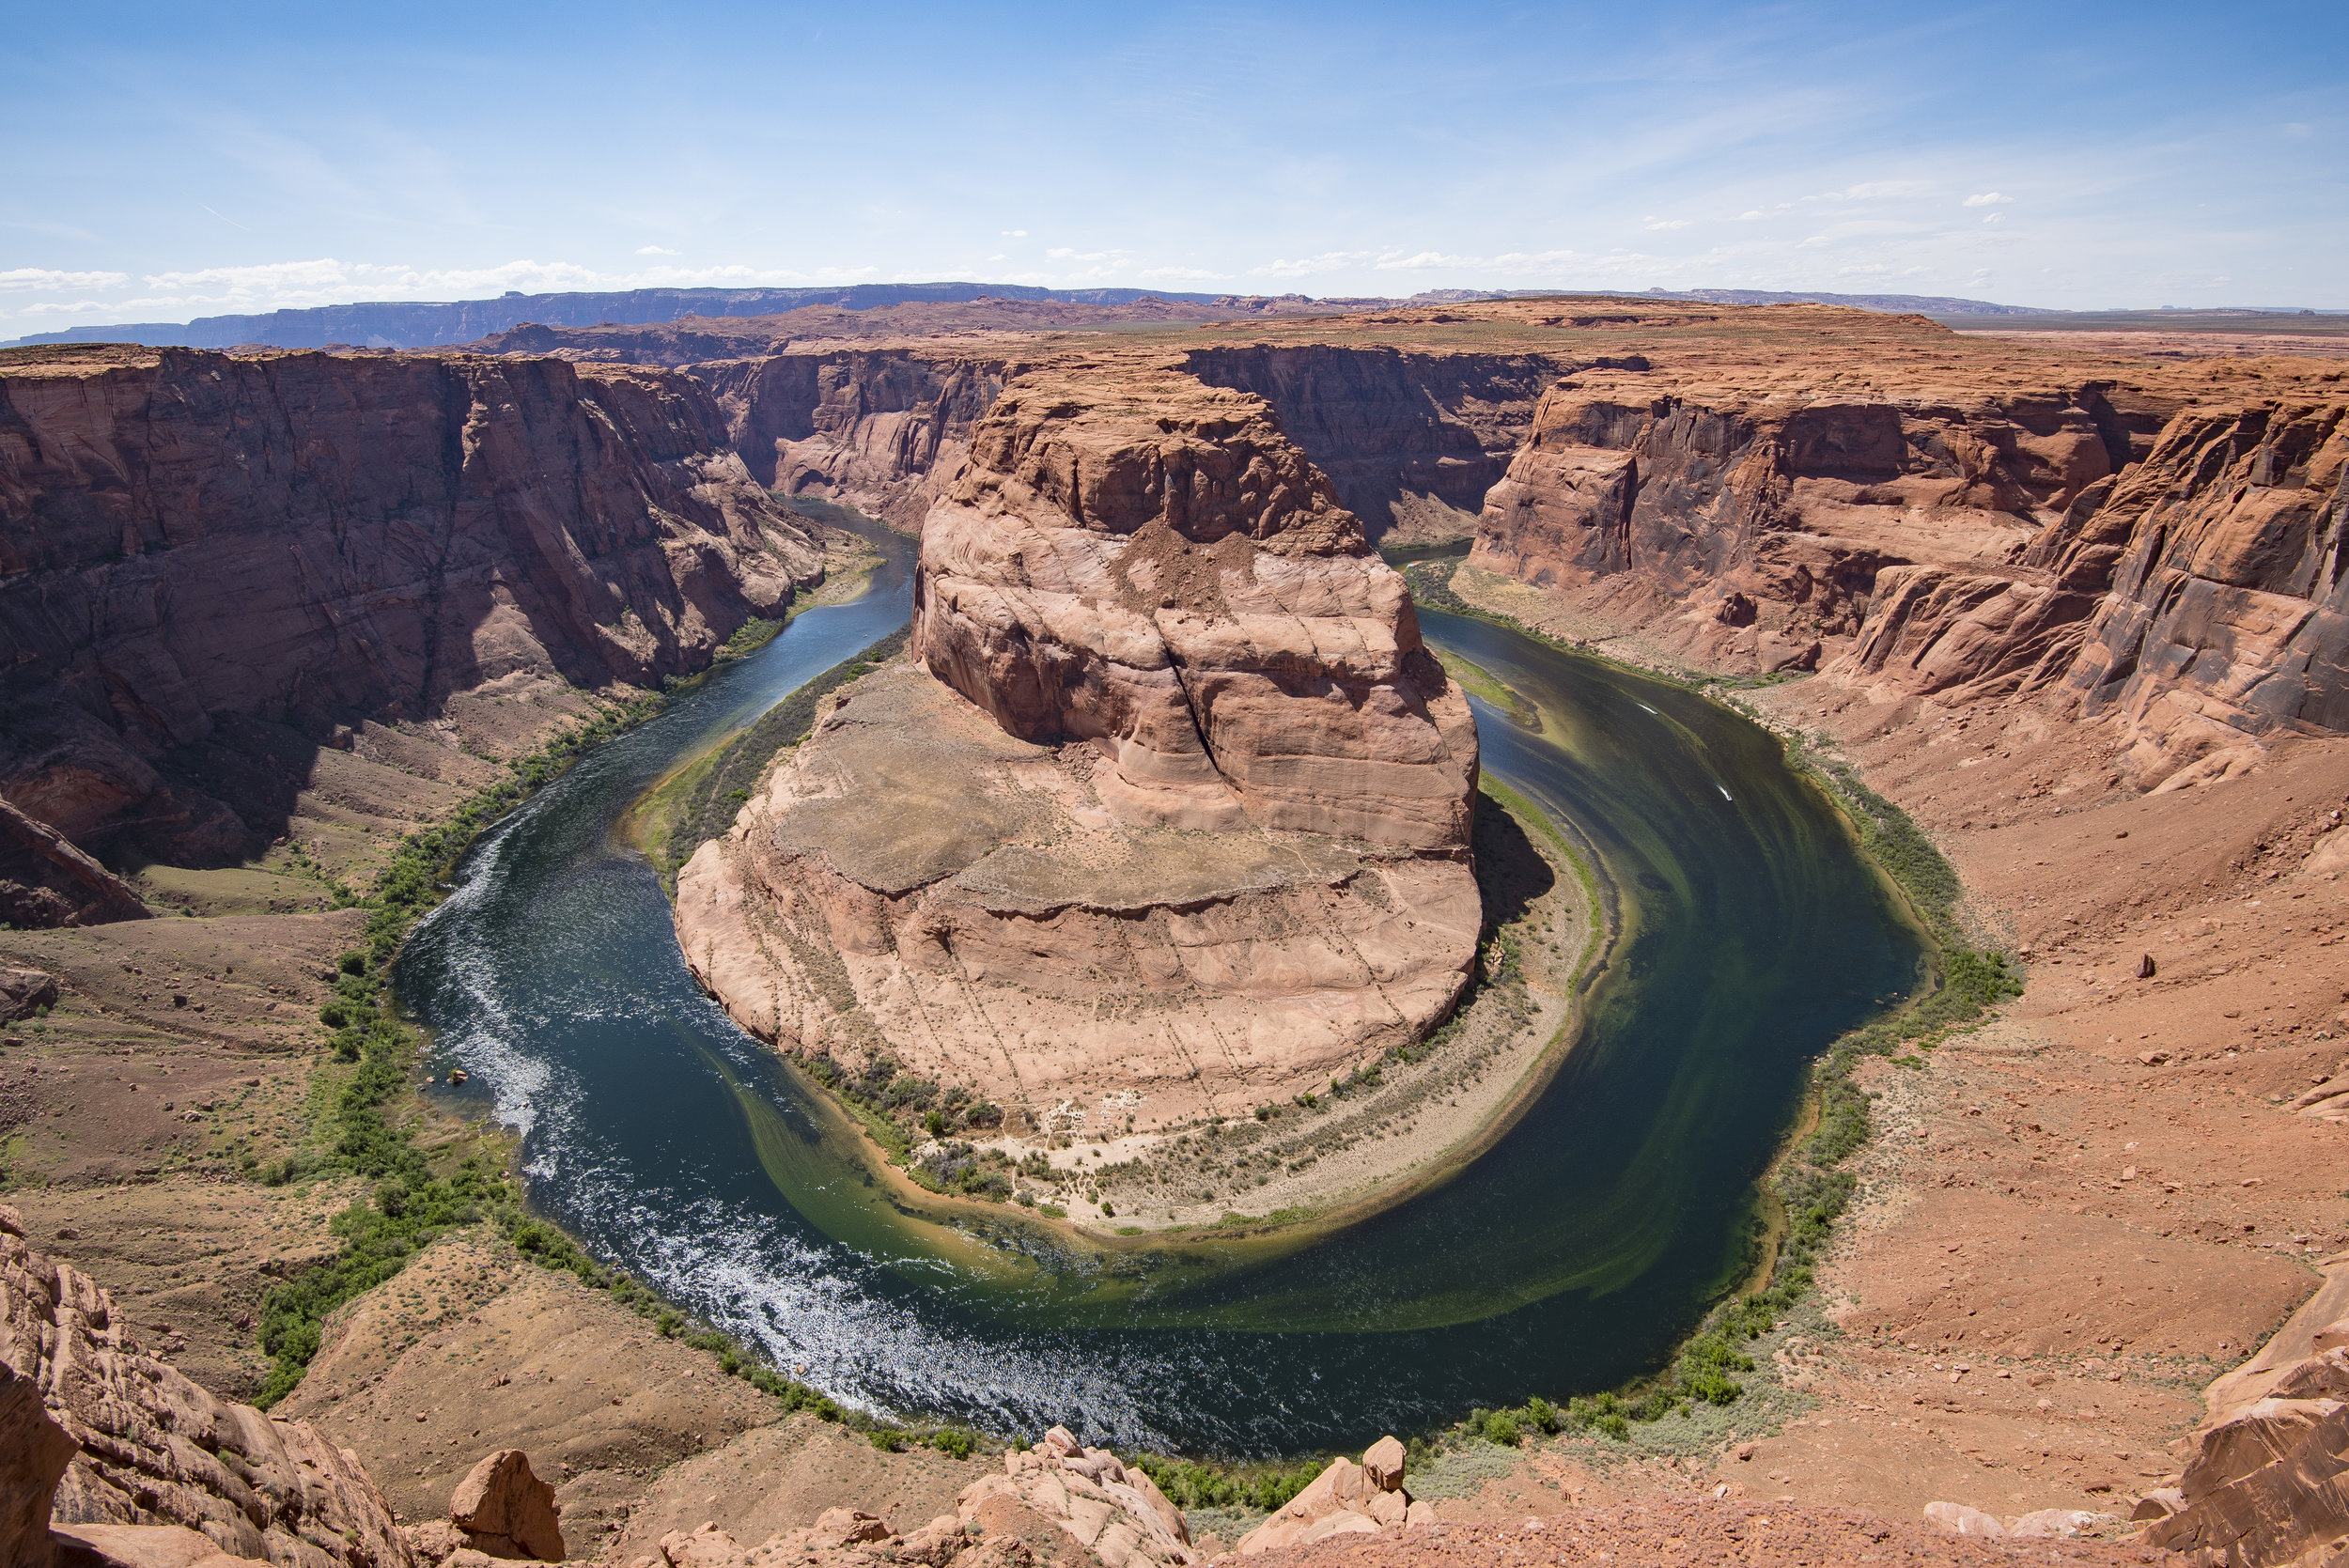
{"points": [[137, 1546], [153, 1448], [504, 1510], [1347, 1498]]}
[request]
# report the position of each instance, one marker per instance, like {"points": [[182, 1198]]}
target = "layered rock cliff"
{"points": [[103, 1433], [2177, 566], [1173, 814], [1411, 440], [312, 541], [881, 429]]}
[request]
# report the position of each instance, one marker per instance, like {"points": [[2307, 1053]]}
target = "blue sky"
{"points": [[169, 162]]}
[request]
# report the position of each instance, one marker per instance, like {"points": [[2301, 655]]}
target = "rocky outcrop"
{"points": [[1060, 1502], [913, 883], [881, 429], [505, 1511], [1394, 430], [1345, 1499], [2223, 567], [46, 881], [312, 541], [147, 1448], [1192, 834], [1145, 564]]}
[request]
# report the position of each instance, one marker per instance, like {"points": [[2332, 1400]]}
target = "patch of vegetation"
{"points": [[701, 802], [1190, 1483]]}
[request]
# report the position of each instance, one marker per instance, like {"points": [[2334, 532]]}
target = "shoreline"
{"points": [[1495, 1064]]}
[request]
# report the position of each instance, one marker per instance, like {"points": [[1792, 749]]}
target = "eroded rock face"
{"points": [[2223, 563], [312, 541], [1141, 562], [150, 1448], [1789, 518], [884, 429], [913, 881]]}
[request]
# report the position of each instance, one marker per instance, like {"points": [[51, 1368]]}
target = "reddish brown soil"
{"points": [[1681, 1530]]}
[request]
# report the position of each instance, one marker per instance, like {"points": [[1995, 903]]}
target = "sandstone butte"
{"points": [[2113, 578], [1172, 811]]}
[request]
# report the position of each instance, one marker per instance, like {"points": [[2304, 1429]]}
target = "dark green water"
{"points": [[1569, 1257]]}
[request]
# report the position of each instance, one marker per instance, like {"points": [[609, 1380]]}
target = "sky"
{"points": [[168, 162]]}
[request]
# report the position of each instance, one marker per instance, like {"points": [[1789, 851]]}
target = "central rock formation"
{"points": [[1147, 564], [1185, 826]]}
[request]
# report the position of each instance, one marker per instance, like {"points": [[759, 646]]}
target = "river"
{"points": [[1569, 1257]]}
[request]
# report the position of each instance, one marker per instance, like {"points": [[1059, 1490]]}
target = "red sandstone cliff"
{"points": [[309, 541]]}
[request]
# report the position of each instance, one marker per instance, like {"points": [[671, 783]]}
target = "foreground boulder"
{"points": [[1345, 1499], [506, 1511], [149, 1448]]}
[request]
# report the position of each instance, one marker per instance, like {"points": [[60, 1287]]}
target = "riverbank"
{"points": [[1328, 1156], [2072, 1217]]}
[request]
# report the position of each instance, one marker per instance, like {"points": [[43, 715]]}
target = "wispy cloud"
{"points": [[656, 250], [42, 280], [1989, 198]]}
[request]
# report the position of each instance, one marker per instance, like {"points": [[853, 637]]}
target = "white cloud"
{"points": [[1989, 198], [1061, 253], [1996, 218], [1745, 217], [79, 307], [655, 249], [1015, 234], [1177, 274], [45, 281], [1652, 222]]}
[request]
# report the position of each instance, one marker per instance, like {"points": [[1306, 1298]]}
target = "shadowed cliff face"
{"points": [[1404, 437], [883, 429], [1137, 560], [190, 539]]}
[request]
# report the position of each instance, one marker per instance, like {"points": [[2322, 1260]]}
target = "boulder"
{"points": [[1956, 1518], [25, 992], [1345, 1498], [506, 1511], [2053, 1524], [1115, 1514], [2160, 1503]]}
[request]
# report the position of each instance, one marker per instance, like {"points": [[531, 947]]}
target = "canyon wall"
{"points": [[880, 430], [106, 1434], [1405, 437], [311, 540], [2179, 565]]}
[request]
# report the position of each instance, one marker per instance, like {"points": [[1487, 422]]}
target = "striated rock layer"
{"points": [[1172, 820], [1147, 564], [311, 540], [141, 1446]]}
